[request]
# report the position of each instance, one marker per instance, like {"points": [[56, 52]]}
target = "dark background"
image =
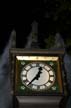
{"points": [[20, 15]]}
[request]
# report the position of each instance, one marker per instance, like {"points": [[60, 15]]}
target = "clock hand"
{"points": [[39, 72], [37, 75]]}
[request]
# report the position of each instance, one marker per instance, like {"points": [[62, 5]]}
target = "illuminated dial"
{"points": [[38, 76]]}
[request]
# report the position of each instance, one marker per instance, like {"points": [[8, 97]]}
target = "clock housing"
{"points": [[37, 72]]}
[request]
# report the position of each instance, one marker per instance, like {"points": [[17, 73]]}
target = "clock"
{"points": [[37, 76]]}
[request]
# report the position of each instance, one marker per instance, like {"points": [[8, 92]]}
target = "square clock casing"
{"points": [[37, 75]]}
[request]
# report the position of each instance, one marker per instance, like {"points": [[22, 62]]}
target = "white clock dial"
{"points": [[38, 76]]}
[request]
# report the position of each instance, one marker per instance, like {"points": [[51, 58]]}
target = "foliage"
{"points": [[50, 41], [68, 45], [57, 18], [68, 42], [53, 16]]}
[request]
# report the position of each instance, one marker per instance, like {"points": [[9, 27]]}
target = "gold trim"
{"points": [[37, 58], [59, 77]]}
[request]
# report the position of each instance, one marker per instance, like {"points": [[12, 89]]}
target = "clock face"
{"points": [[38, 76]]}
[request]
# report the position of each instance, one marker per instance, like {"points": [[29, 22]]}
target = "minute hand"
{"points": [[36, 77]]}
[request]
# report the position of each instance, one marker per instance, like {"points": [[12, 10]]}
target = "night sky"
{"points": [[20, 15]]}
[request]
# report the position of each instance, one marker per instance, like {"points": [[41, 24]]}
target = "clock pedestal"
{"points": [[38, 101]]}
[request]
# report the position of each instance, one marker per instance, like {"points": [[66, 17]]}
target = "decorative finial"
{"points": [[33, 37]]}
